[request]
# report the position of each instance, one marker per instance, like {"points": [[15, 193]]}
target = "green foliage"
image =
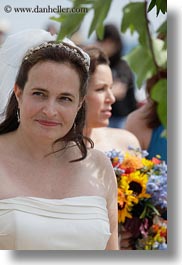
{"points": [[140, 61], [101, 9], [70, 22], [67, 25], [134, 20], [159, 94], [161, 5]]}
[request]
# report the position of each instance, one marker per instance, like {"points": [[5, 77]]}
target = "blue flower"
{"points": [[157, 188]]}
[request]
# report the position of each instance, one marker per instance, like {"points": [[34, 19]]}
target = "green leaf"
{"points": [[140, 61], [161, 5], [143, 214], [151, 5], [69, 24], [147, 210], [134, 20], [159, 94], [101, 9]]}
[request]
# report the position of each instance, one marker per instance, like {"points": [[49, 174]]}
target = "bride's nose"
{"points": [[50, 108]]}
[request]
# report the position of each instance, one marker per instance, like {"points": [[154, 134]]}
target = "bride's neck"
{"points": [[88, 131], [33, 147]]}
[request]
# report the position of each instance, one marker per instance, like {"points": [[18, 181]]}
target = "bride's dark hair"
{"points": [[74, 58]]}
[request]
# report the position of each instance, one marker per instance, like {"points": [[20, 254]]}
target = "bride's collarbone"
{"points": [[18, 168]]}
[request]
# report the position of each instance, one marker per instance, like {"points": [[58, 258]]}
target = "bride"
{"points": [[55, 193]]}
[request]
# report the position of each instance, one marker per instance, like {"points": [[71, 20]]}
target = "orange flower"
{"points": [[156, 161], [121, 198], [131, 163]]}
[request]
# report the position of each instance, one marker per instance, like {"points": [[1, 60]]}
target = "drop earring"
{"points": [[18, 115]]}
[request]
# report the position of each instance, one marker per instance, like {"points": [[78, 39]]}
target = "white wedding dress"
{"points": [[31, 223]]}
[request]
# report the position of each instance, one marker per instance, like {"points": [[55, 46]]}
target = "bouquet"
{"points": [[142, 197]]}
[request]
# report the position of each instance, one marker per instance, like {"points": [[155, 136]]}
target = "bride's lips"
{"points": [[48, 123]]}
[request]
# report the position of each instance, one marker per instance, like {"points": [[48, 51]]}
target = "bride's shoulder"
{"points": [[98, 158], [101, 164], [96, 154]]}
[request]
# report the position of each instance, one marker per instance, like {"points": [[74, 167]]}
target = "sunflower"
{"points": [[126, 200], [123, 206], [137, 183], [122, 214], [131, 188]]}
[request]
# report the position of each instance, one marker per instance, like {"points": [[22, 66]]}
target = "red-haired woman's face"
{"points": [[99, 97]]}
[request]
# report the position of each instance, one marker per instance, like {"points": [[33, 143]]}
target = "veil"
{"points": [[12, 53]]}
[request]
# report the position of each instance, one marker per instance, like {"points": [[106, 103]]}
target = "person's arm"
{"points": [[136, 124], [131, 122]]}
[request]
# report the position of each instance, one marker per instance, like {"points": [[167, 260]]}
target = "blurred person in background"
{"points": [[51, 28], [124, 84], [4, 29], [144, 123]]}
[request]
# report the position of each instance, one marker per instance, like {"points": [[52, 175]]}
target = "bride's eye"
{"points": [[38, 93], [65, 99]]}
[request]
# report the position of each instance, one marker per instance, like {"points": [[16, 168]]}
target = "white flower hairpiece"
{"points": [[74, 49]]}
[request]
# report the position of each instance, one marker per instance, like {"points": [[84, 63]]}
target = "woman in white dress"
{"points": [[99, 100], [56, 193]]}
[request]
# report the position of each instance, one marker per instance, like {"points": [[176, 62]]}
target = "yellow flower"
{"points": [[131, 188], [126, 200], [137, 182], [148, 164], [122, 214]]}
